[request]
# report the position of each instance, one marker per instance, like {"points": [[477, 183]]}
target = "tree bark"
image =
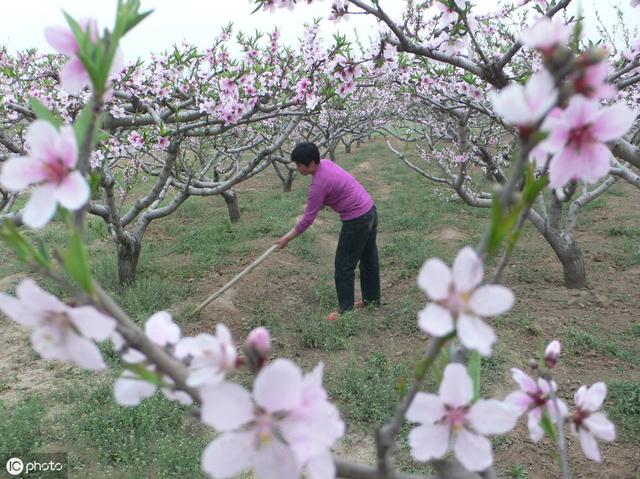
{"points": [[347, 148], [233, 207], [128, 255], [570, 255], [288, 183]]}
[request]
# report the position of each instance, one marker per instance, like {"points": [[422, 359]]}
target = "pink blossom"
{"points": [[592, 82], [285, 426], [161, 329], [259, 339], [588, 423], [59, 331], [50, 165], [130, 389], [449, 418], [534, 398], [634, 3], [545, 35], [162, 143], [578, 136], [211, 356], [74, 76], [457, 296], [136, 139], [525, 105], [552, 353]]}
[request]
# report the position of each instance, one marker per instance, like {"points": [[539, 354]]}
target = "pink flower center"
{"points": [[579, 416], [56, 171], [457, 302], [264, 426], [456, 418], [580, 136]]}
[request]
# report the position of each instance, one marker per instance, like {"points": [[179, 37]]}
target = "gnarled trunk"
{"points": [[570, 255], [233, 207], [288, 182], [128, 255], [347, 148]]}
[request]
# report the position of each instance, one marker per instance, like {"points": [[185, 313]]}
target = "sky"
{"points": [[23, 21]]}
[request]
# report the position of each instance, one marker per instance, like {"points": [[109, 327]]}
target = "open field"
{"points": [[368, 355]]}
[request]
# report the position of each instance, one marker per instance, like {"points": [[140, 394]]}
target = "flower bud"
{"points": [[259, 340], [533, 364], [552, 353]]}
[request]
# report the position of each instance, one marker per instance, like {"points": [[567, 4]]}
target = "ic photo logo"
{"points": [[14, 466], [37, 464]]}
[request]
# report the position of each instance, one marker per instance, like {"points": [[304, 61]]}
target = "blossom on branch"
{"points": [[59, 331], [525, 105], [534, 398], [588, 423], [50, 166], [449, 419], [577, 139], [459, 303], [287, 425], [546, 35]]}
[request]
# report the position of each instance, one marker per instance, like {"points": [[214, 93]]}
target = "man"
{"points": [[332, 186]]}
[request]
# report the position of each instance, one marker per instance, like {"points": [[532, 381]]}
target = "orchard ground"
{"points": [[368, 355]]}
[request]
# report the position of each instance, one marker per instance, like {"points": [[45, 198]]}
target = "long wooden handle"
{"points": [[237, 278]]}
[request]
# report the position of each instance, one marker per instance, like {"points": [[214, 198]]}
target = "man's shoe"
{"points": [[333, 315]]}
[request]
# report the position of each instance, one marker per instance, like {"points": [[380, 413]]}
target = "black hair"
{"points": [[305, 153]]}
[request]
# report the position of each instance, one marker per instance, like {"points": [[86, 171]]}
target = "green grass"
{"points": [[367, 389], [623, 407]]}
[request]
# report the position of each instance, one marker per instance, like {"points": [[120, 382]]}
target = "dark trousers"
{"points": [[357, 243]]}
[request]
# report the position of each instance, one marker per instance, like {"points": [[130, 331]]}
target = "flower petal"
{"points": [[40, 208], [589, 445], [84, 352], [613, 122], [526, 382], [519, 400], [429, 441], [91, 322], [491, 300], [456, 388], [19, 312], [74, 76], [475, 334], [600, 426], [229, 455], [276, 461], [321, 467], [467, 270], [278, 386], [73, 193], [42, 137], [490, 416], [226, 406], [435, 320], [161, 329], [20, 171], [593, 397], [128, 390], [434, 279], [61, 39], [533, 423], [473, 451], [425, 409]]}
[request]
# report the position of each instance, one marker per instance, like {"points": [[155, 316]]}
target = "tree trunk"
{"points": [[332, 154], [570, 255], [232, 205], [288, 183], [128, 255], [347, 148]]}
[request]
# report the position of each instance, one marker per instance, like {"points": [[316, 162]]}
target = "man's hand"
{"points": [[282, 242]]}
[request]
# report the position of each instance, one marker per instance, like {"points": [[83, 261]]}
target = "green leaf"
{"points": [[82, 123], [547, 425], [76, 261], [144, 374], [473, 368], [43, 113], [24, 250]]}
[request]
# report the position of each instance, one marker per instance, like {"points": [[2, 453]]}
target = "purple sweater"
{"points": [[332, 186]]}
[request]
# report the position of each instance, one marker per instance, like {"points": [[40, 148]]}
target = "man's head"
{"points": [[306, 156]]}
